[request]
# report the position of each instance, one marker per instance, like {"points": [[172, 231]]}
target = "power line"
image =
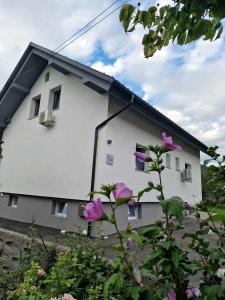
{"points": [[95, 18], [83, 33]]}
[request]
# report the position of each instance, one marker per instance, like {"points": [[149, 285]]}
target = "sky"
{"points": [[187, 84]]}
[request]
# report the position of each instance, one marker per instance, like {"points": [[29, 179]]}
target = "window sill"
{"points": [[34, 117], [132, 218], [60, 216], [142, 171]]}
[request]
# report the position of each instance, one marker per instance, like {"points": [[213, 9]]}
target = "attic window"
{"points": [[35, 106], [54, 98], [47, 75]]}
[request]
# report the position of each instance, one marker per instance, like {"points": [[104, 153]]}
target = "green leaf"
{"points": [[174, 207], [181, 39], [220, 216], [214, 292], [126, 15], [134, 292], [115, 282], [151, 232]]}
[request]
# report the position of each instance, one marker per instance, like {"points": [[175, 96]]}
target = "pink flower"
{"points": [[131, 202], [68, 297], [122, 192], [94, 210], [131, 243], [140, 156], [171, 295], [189, 293], [168, 143]]}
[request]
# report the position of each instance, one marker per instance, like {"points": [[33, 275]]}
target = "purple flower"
{"points": [[131, 202], [140, 156], [197, 292], [94, 210], [187, 206], [134, 231], [168, 143], [171, 295], [171, 223], [189, 293], [122, 192], [131, 243]]}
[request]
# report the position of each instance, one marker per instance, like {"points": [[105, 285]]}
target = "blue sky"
{"points": [[184, 83]]}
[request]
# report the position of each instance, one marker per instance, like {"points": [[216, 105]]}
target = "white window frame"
{"points": [[168, 161], [137, 162], [137, 210], [51, 100], [177, 163], [56, 206], [33, 106]]}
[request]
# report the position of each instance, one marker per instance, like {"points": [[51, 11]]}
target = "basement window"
{"points": [[134, 211], [13, 201], [35, 106], [59, 208]]}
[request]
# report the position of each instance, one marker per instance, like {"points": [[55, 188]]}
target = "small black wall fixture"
{"points": [[96, 148]]}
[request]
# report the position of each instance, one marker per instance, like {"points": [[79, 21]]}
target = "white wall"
{"points": [[54, 161], [127, 130]]}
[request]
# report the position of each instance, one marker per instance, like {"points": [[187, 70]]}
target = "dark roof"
{"points": [[36, 58]]}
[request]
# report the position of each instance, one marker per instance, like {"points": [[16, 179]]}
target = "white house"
{"points": [[49, 110]]}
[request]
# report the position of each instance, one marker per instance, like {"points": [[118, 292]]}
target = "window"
{"points": [[47, 75], [168, 161], [13, 201], [177, 161], [140, 166], [59, 208], [56, 99], [134, 211], [35, 107], [188, 171]]}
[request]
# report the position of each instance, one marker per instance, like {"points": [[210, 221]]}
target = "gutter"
{"points": [[102, 124]]}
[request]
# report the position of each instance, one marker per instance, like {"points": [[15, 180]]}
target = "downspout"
{"points": [[96, 148]]}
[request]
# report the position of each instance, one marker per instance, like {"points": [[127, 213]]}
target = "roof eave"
{"points": [[124, 94]]}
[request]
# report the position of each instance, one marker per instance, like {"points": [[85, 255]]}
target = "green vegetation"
{"points": [[183, 22]]}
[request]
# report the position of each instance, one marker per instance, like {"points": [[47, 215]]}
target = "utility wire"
{"points": [[63, 45], [82, 28], [83, 33]]}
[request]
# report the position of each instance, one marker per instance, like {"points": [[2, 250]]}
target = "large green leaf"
{"points": [[174, 207]]}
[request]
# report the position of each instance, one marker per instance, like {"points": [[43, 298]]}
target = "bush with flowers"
{"points": [[168, 272]]}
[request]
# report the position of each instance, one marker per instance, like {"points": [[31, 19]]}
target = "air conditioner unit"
{"points": [[46, 118], [186, 175]]}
